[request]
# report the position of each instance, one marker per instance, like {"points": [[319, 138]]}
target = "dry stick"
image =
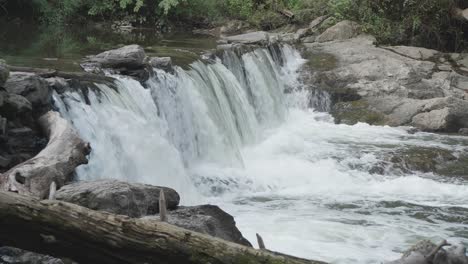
{"points": [[261, 244], [52, 190], [162, 206], [433, 253]]}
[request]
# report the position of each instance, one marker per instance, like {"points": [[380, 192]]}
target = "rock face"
{"points": [[4, 73], [233, 27], [208, 219], [129, 57], [30, 86], [9, 255], [343, 30], [132, 199], [389, 85]]}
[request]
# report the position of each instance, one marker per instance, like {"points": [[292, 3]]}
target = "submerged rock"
{"points": [[164, 63], [132, 199], [208, 219], [9, 255]]}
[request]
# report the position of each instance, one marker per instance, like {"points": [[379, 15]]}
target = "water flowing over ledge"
{"points": [[236, 131]]}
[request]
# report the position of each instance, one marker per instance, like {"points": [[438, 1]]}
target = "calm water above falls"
{"points": [[225, 133]]}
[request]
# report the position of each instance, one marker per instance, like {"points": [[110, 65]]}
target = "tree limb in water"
{"points": [[55, 163], [89, 236]]}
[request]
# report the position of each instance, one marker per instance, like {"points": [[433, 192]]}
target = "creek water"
{"points": [[225, 132]]}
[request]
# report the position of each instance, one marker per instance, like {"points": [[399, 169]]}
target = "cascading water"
{"points": [[226, 132]]}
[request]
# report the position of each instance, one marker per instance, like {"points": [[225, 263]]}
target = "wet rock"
{"points": [[423, 159], [32, 87], [208, 219], [343, 30], [9, 255], [258, 37], [405, 88], [4, 72], [127, 57], [164, 63], [132, 199], [58, 84]]}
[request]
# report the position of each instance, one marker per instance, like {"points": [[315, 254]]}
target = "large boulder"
{"points": [[4, 72], [343, 30], [208, 219], [30, 86], [9, 255], [128, 57], [164, 63], [394, 86], [132, 199]]}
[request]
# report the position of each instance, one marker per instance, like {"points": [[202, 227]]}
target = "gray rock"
{"points": [[58, 84], [406, 90], [258, 37], [132, 199], [341, 31], [4, 72], [207, 219], [128, 57], [9, 255], [164, 63], [31, 86]]}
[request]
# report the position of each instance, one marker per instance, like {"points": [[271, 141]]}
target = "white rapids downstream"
{"points": [[225, 132]]}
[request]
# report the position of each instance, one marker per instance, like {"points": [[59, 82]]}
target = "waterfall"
{"points": [[206, 114]]}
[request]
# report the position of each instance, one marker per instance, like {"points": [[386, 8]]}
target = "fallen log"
{"points": [[67, 230], [55, 163]]}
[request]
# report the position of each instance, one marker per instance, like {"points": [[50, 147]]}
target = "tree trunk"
{"points": [[55, 163], [67, 230]]}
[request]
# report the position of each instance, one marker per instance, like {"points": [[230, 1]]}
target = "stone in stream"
{"points": [[128, 57], [132, 199], [10, 255], [258, 37], [206, 219], [163, 63]]}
